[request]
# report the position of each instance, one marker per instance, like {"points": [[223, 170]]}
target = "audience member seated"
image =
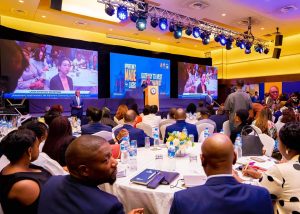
{"points": [[85, 119], [200, 107], [59, 137], [134, 133], [181, 124], [146, 111], [95, 125], [171, 118], [288, 115], [282, 179], [90, 163], [254, 112], [221, 193], [191, 116], [219, 118], [50, 116], [205, 119], [20, 181], [240, 120], [58, 108], [138, 118], [106, 119], [152, 119], [121, 111], [264, 122]]}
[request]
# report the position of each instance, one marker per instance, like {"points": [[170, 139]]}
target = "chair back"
{"points": [[256, 129], [202, 126], [104, 134], [163, 130], [226, 128], [268, 143], [115, 150], [147, 128]]}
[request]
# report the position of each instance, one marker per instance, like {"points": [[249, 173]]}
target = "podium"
{"points": [[152, 95]]}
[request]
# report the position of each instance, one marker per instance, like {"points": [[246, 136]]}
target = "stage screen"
{"points": [[197, 81], [128, 72], [56, 72]]}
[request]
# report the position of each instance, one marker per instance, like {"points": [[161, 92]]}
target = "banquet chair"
{"points": [[104, 134], [202, 126], [226, 128], [256, 129], [147, 128], [268, 143], [163, 130]]}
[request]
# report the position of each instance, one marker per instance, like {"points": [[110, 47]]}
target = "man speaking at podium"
{"points": [[145, 84], [77, 105]]}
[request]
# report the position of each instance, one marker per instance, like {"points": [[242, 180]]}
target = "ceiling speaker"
{"points": [[278, 40], [276, 53]]}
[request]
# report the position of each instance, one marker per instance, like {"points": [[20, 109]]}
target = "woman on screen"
{"points": [[61, 81], [202, 87]]}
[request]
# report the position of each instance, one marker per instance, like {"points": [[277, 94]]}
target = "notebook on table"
{"points": [[145, 176]]}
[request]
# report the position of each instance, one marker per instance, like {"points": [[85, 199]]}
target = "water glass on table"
{"points": [[193, 157], [191, 136], [158, 161], [147, 142]]}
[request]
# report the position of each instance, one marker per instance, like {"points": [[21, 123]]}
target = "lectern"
{"points": [[152, 95]]}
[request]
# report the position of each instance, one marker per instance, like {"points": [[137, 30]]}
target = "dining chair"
{"points": [[104, 134], [268, 143], [226, 128], [147, 128]]}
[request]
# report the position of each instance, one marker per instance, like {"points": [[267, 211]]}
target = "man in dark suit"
{"points": [[77, 105], [95, 125], [90, 164], [134, 133], [180, 124], [221, 193]]}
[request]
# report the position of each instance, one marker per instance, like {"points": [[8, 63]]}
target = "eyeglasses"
{"points": [[274, 92]]}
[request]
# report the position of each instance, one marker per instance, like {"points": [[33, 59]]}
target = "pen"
{"points": [[150, 176]]}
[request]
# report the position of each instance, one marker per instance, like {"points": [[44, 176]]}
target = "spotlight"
{"points": [[189, 31], [196, 32], [134, 17], [154, 22], [109, 9], [248, 45], [206, 40], [228, 46], [242, 44], [172, 27], [163, 24], [141, 24], [217, 38], [266, 51], [222, 40], [122, 13], [247, 51], [178, 32], [259, 48]]}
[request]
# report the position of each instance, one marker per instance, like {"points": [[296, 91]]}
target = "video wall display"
{"points": [[56, 72], [128, 74], [197, 81]]}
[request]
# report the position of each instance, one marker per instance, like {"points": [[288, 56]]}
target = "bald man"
{"points": [[221, 193], [180, 124], [273, 99], [134, 133], [90, 164]]}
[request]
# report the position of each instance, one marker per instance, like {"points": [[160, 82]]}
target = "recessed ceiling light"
{"points": [[262, 28], [223, 14], [43, 16], [21, 1]]}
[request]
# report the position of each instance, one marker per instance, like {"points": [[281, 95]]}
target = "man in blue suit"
{"points": [[77, 105], [95, 125], [134, 133], [90, 164], [221, 193], [180, 117]]}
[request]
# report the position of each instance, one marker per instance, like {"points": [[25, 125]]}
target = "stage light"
{"points": [[154, 22], [217, 38], [122, 13], [163, 24], [223, 40], [259, 48], [178, 32], [109, 9], [206, 40], [134, 17], [196, 32], [242, 44], [188, 31], [141, 24], [172, 27], [248, 45], [266, 51], [247, 51]]}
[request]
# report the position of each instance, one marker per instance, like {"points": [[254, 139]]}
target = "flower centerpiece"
{"points": [[181, 141]]}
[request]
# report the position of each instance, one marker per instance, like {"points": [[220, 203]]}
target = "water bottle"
{"points": [[184, 130], [238, 146], [133, 155], [206, 133], [171, 155], [124, 150], [156, 137]]}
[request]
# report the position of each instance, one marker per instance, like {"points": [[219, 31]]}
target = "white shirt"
{"points": [[152, 120]]}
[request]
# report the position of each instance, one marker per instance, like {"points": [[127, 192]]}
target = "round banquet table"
{"points": [[159, 200]]}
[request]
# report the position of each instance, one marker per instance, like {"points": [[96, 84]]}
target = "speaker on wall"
{"points": [[278, 40], [276, 53]]}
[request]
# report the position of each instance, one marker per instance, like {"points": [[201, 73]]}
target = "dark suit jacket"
{"points": [[94, 127], [65, 194], [76, 111], [222, 195], [135, 134], [179, 125], [56, 84]]}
